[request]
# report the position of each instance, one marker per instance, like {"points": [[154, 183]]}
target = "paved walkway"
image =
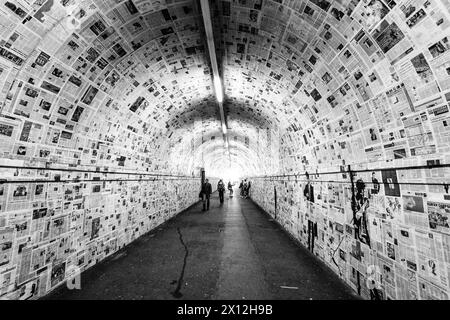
{"points": [[234, 251]]}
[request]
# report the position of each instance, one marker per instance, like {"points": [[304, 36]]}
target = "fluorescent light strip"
{"points": [[218, 88], [206, 13], [224, 129]]}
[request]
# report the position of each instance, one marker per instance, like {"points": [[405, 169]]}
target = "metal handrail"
{"points": [[419, 167], [366, 182], [95, 171]]}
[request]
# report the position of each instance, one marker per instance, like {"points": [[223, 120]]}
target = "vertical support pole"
{"points": [[275, 197], [203, 176], [354, 210], [358, 278]]}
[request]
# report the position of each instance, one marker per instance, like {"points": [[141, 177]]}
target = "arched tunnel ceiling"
{"points": [[296, 60], [131, 79]]}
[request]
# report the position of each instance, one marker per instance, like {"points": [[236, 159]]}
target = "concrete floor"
{"points": [[232, 251]]}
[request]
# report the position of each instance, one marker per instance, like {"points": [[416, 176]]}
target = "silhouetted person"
{"points": [[247, 190], [230, 188], [241, 186], [206, 194], [221, 189], [244, 189]]}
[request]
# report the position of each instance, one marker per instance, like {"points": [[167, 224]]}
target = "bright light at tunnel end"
{"points": [[218, 88], [232, 174]]}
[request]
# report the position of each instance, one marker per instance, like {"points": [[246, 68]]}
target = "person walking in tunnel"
{"points": [[247, 189], [206, 194], [230, 189], [221, 189], [244, 189], [241, 188]]}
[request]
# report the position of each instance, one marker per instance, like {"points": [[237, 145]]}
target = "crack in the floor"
{"points": [[177, 293]]}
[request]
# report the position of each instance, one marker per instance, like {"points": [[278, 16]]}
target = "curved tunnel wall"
{"points": [[89, 97], [312, 85], [361, 88]]}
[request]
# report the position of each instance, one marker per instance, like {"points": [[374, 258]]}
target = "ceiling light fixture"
{"points": [[224, 128], [218, 86], [219, 90]]}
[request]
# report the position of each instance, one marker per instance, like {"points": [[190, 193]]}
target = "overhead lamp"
{"points": [[218, 87]]}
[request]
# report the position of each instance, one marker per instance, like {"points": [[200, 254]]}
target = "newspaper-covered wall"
{"points": [[309, 85], [390, 242], [361, 83], [94, 93]]}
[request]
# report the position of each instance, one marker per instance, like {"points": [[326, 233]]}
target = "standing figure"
{"points": [[244, 189], [241, 187], [247, 191], [206, 194], [230, 188], [221, 189]]}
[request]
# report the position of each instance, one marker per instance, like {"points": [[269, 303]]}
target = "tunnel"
{"points": [[327, 121]]}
